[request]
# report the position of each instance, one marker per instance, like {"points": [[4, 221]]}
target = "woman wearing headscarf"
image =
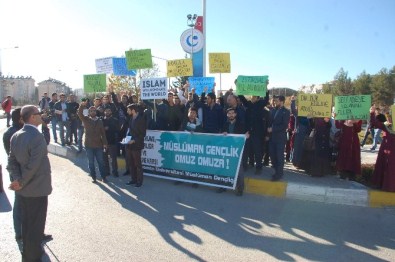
{"points": [[348, 163], [384, 169]]}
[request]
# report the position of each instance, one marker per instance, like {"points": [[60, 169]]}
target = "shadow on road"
{"points": [[5, 205], [258, 226]]}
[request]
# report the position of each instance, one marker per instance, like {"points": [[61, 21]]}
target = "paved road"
{"points": [[164, 222]]}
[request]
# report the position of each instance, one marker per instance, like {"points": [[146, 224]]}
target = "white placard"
{"points": [[104, 65], [153, 88]]}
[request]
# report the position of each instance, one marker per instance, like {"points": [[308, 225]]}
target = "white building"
{"points": [[21, 89], [52, 86]]}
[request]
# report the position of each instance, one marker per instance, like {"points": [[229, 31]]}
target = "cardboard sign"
{"points": [[153, 88], [179, 67], [104, 65], [138, 59], [120, 67], [315, 105], [252, 85], [95, 83], [353, 107], [219, 62], [199, 83]]}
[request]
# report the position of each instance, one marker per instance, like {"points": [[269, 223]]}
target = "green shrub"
{"points": [[366, 174]]}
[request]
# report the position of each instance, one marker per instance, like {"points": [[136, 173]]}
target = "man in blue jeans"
{"points": [[95, 140], [278, 137]]}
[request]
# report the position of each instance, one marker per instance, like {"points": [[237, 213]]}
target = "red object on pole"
{"points": [[199, 23]]}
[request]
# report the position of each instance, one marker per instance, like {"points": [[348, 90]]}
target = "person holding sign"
{"points": [[348, 163], [384, 169], [257, 123], [95, 140], [278, 138]]}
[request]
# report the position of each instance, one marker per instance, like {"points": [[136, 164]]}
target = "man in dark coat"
{"points": [[278, 137], [234, 126], [257, 123], [137, 131], [111, 126], [29, 167]]}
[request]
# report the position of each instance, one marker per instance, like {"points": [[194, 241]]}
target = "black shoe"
{"points": [[220, 190], [126, 173], [275, 178], [47, 237], [131, 183], [94, 180], [239, 193], [138, 185], [104, 179]]}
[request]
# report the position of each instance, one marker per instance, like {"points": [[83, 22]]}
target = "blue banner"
{"points": [[120, 68], [199, 83], [209, 159]]}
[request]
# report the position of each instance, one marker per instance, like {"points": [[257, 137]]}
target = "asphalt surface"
{"points": [[164, 222]]}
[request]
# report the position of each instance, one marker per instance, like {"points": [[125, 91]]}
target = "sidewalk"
{"points": [[295, 184]]}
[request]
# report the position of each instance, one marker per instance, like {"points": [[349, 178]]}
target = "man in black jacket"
{"points": [[257, 123], [111, 126], [278, 138], [234, 126]]}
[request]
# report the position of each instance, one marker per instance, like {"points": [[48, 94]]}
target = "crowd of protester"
{"points": [[319, 146]]}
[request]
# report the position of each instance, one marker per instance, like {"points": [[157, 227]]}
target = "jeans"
{"points": [[62, 125], [376, 138], [54, 122], [277, 156], [368, 131], [92, 154]]}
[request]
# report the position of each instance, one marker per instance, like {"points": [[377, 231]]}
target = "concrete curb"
{"points": [[281, 189]]}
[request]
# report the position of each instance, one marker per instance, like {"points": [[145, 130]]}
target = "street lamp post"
{"points": [[191, 22]]}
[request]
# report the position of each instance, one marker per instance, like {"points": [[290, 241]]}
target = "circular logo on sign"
{"points": [[192, 40]]}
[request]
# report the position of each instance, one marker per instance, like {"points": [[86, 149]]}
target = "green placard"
{"points": [[252, 85], [95, 83], [353, 107], [138, 59]]}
